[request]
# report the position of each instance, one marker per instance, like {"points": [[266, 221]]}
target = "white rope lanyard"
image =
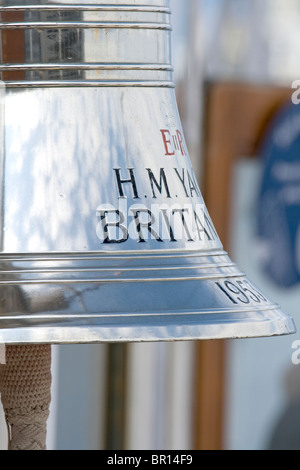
{"points": [[25, 386]]}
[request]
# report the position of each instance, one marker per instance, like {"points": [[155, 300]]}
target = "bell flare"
{"points": [[105, 236], [133, 297]]}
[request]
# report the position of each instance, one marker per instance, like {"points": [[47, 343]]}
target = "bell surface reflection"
{"points": [[104, 232]]}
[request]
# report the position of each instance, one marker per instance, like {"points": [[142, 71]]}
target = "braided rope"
{"points": [[25, 385]]}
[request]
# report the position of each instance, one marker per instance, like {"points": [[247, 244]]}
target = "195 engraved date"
{"points": [[241, 292]]}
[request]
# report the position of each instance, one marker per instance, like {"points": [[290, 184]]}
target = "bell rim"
{"points": [[161, 328], [86, 311]]}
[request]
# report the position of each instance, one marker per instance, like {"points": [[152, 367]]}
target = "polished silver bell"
{"points": [[104, 232]]}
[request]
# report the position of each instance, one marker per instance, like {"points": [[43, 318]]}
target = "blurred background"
{"points": [[235, 62]]}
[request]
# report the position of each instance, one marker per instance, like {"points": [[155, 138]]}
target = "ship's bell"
{"points": [[104, 232]]}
